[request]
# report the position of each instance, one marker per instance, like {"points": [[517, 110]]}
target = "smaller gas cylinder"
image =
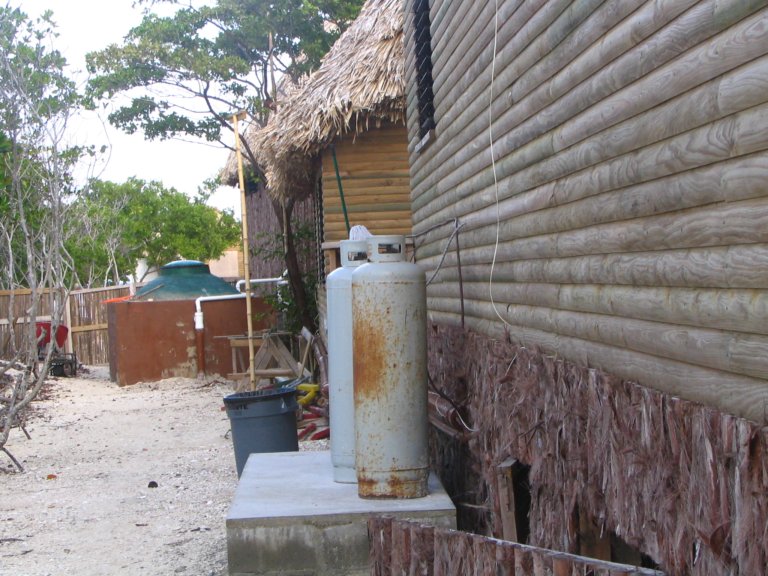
{"points": [[342, 406]]}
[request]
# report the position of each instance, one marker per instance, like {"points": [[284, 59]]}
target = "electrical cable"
{"points": [[493, 163], [456, 228]]}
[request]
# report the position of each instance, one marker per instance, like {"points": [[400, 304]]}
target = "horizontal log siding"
{"points": [[374, 174], [631, 161]]}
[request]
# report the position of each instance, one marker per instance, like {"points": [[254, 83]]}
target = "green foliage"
{"points": [[214, 57], [121, 223], [36, 100], [33, 67], [269, 247]]}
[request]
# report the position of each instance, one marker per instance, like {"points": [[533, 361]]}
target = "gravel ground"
{"points": [[87, 504]]}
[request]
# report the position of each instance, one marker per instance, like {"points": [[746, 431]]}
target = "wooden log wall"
{"points": [[407, 548], [373, 166], [683, 483], [622, 219]]}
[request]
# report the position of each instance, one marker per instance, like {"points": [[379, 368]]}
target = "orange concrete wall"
{"points": [[151, 341]]}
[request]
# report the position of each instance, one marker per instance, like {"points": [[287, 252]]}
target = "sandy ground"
{"points": [[84, 505]]}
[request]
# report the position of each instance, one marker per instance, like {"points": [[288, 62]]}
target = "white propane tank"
{"points": [[390, 373], [342, 405]]}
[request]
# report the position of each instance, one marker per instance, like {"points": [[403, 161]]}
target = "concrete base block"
{"points": [[290, 518]]}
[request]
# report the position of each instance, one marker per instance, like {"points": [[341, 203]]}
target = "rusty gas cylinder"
{"points": [[390, 373]]}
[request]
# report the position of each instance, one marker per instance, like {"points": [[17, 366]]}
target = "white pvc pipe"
{"points": [[201, 299], [240, 283], [199, 325]]}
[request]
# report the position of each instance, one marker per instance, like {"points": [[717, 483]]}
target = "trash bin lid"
{"points": [[242, 399]]}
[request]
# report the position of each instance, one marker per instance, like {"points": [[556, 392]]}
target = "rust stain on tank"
{"points": [[365, 486], [369, 361], [394, 486]]}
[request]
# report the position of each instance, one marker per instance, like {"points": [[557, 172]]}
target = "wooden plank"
{"points": [[387, 136], [371, 223], [270, 372], [358, 191], [396, 180], [728, 51], [368, 173], [113, 290], [242, 341], [23, 319], [391, 138], [365, 198], [341, 234], [370, 166], [88, 328], [423, 547], [16, 292], [363, 181], [506, 496], [394, 153], [262, 373], [68, 348], [390, 211]]}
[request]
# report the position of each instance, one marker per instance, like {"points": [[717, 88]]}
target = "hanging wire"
{"points": [[455, 233], [493, 164]]}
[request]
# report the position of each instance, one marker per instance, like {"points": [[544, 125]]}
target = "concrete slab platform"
{"points": [[289, 517]]}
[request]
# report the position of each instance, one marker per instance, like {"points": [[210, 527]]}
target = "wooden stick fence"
{"points": [[86, 317], [406, 548]]}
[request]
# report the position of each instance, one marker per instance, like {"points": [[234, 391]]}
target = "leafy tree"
{"points": [[215, 60], [187, 74], [121, 223], [36, 101]]}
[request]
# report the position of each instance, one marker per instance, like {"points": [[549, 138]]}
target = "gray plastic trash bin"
{"points": [[262, 421]]}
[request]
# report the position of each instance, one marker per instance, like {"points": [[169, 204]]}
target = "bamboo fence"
{"points": [[85, 316]]}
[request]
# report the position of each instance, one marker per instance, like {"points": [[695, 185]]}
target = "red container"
{"points": [[43, 334]]}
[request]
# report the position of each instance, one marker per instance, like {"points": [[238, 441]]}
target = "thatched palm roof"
{"points": [[359, 82]]}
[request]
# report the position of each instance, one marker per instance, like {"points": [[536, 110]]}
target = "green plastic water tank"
{"points": [[184, 280]]}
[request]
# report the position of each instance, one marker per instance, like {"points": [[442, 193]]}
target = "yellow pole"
{"points": [[246, 253]]}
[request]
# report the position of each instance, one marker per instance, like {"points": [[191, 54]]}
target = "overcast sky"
{"points": [[89, 25]]}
